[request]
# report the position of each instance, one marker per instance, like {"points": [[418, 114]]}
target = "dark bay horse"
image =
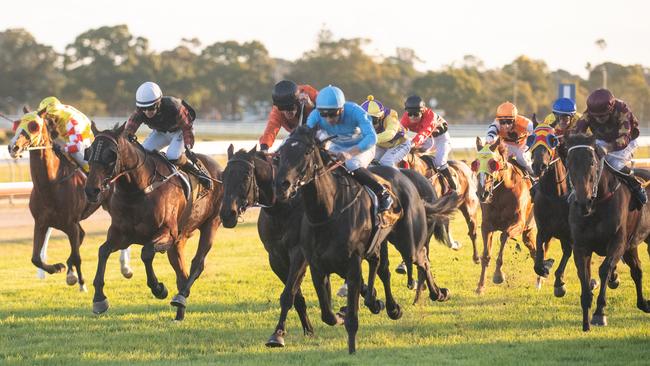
{"points": [[506, 205], [57, 199], [466, 187], [149, 206], [337, 227], [248, 182], [603, 223]]}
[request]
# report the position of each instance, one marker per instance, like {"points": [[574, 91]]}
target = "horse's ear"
{"points": [[93, 127], [231, 151], [26, 109], [253, 150], [495, 144], [479, 144], [535, 123], [120, 130]]}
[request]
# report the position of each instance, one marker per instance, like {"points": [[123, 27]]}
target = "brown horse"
{"points": [[466, 183], [603, 223], [57, 199], [151, 207], [505, 203]]}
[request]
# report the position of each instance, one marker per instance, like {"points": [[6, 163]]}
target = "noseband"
{"points": [[601, 166]]}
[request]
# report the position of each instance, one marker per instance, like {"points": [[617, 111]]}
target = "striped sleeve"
{"points": [[492, 132]]}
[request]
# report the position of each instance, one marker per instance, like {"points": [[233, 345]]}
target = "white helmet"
{"points": [[147, 94]]}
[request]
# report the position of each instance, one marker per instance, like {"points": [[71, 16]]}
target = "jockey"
{"points": [[291, 105], [563, 117], [355, 138], [171, 120], [513, 129], [615, 128], [392, 145], [431, 131], [72, 126]]}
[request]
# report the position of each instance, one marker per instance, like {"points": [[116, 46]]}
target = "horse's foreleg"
{"points": [[177, 260], [542, 265], [75, 236], [485, 259], [125, 259], [582, 260], [392, 308], [354, 288], [470, 220], [100, 302], [631, 257], [614, 254], [40, 273], [158, 289], [41, 237], [321, 283], [559, 289], [498, 277], [370, 298]]}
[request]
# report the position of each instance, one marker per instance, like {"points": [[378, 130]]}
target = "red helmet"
{"points": [[600, 103]]}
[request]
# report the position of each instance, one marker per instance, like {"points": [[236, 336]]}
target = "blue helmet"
{"points": [[564, 106], [330, 97]]}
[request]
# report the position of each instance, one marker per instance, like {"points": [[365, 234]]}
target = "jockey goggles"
{"points": [[329, 113]]}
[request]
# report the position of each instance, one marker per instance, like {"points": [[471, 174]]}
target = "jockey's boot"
{"points": [[533, 181], [638, 192], [363, 176], [188, 167], [445, 175]]}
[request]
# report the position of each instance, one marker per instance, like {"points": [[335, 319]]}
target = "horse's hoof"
{"points": [[411, 284], [559, 291], [476, 260], [100, 307], [179, 301], [395, 313], [456, 245], [593, 284], [160, 291], [443, 296], [276, 339], [600, 320], [480, 290], [644, 305], [126, 272], [71, 279], [343, 291], [401, 269], [613, 284], [59, 267], [377, 307], [342, 312], [180, 314], [308, 332], [539, 282], [498, 278], [83, 288]]}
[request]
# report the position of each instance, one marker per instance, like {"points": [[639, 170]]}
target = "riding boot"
{"points": [[445, 175], [363, 176], [188, 167], [635, 187]]}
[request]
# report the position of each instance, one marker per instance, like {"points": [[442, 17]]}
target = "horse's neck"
{"points": [[320, 196], [140, 170], [44, 164], [264, 177], [554, 181], [607, 182], [509, 176]]}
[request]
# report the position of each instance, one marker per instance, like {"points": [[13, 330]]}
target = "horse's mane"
{"points": [[580, 139]]}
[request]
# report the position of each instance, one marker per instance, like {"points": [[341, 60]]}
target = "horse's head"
{"points": [[542, 144], [488, 165], [241, 186], [105, 161], [30, 131], [585, 162], [299, 162]]}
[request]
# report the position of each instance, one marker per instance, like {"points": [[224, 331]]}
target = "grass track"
{"points": [[234, 308]]}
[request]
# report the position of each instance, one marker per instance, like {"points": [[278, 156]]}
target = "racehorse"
{"points": [[505, 204], [248, 182], [57, 199], [603, 223], [337, 228], [466, 187], [151, 206]]}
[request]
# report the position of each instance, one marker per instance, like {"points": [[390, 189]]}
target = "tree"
{"points": [[29, 70]]}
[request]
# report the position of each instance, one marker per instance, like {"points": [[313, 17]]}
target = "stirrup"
{"points": [[385, 201]]}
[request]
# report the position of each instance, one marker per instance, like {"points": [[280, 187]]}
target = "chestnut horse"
{"points": [[506, 205], [57, 199], [150, 206], [466, 187], [603, 223]]}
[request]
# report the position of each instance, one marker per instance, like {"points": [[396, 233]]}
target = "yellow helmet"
{"points": [[507, 110], [373, 107], [47, 104]]}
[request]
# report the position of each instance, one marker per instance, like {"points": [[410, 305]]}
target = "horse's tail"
{"points": [[442, 208], [440, 231]]}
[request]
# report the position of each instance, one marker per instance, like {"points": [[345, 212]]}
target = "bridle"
{"points": [[601, 167], [252, 187], [116, 174]]}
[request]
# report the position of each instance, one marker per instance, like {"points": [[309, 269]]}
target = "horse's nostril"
{"points": [[91, 191]]}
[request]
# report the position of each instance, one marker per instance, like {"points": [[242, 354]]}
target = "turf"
{"points": [[233, 309]]}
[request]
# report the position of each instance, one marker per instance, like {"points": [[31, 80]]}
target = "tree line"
{"points": [[101, 69]]}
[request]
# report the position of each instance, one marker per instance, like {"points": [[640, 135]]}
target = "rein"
{"points": [[108, 181]]}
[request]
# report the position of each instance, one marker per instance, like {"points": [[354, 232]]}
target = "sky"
{"points": [[562, 33]]}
